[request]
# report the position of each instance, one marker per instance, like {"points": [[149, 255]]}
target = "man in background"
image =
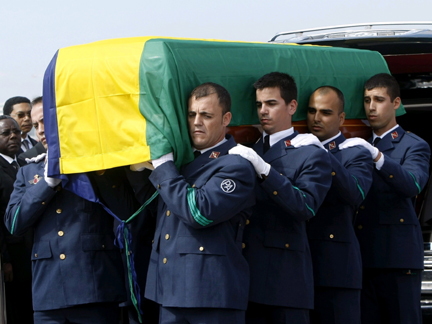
{"points": [[19, 108], [335, 250]]}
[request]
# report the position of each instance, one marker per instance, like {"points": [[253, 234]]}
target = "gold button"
{"points": [[362, 207], [164, 260], [360, 227], [287, 245], [391, 176], [113, 186], [103, 246], [243, 245], [201, 248], [193, 186], [408, 132], [247, 221], [60, 233], [158, 186], [130, 252], [281, 174], [43, 202], [275, 193], [333, 173], [167, 237], [168, 213], [35, 255], [331, 236], [401, 220], [62, 256], [152, 241], [58, 211]]}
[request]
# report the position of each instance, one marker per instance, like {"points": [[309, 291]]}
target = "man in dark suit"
{"points": [[38, 147], [295, 175], [15, 250], [387, 226], [19, 108], [77, 270], [197, 272], [334, 247]]}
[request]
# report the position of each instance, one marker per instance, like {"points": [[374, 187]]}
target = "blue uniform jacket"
{"points": [[334, 247], [74, 260], [197, 259], [387, 226], [277, 247]]}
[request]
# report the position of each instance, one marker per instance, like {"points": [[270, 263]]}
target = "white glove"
{"points": [[357, 141], [306, 139], [52, 182], [163, 159], [36, 159], [141, 166], [261, 167]]}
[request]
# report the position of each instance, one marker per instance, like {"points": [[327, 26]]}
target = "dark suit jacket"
{"points": [[277, 247], [33, 141], [15, 250], [334, 246], [387, 226], [34, 151]]}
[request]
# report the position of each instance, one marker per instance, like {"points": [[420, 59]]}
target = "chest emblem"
{"points": [[35, 180], [228, 185], [214, 155], [394, 135], [287, 143], [332, 145]]}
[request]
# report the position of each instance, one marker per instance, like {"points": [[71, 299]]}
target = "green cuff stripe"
{"points": [[312, 211], [358, 186], [200, 219], [418, 187], [15, 216]]}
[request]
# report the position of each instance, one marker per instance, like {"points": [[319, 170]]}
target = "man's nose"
{"points": [[198, 120]]}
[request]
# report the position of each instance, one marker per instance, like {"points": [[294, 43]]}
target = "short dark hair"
{"points": [[283, 81], [3, 117], [36, 101], [208, 88], [326, 89], [384, 80], [8, 106]]}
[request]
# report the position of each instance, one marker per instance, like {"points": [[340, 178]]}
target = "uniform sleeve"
{"points": [[26, 204], [409, 175], [301, 198], [352, 180], [227, 192]]}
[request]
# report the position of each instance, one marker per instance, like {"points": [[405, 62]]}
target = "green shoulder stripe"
{"points": [[15, 216], [200, 219], [418, 186], [358, 186]]}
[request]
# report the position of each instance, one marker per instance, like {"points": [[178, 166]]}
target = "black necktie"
{"points": [[266, 145], [15, 165], [196, 154], [376, 140], [26, 144]]}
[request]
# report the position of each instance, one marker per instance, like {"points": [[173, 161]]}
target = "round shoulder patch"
{"points": [[228, 185]]}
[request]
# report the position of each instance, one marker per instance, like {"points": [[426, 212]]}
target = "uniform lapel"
{"points": [[278, 149], [333, 146]]}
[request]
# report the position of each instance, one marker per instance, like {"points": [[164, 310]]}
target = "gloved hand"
{"points": [[357, 141], [261, 167], [141, 166], [36, 159], [52, 182], [306, 139], [163, 159]]}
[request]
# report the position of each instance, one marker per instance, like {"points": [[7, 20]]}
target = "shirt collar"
{"points": [[276, 137], [209, 148], [8, 158], [382, 136], [330, 139]]}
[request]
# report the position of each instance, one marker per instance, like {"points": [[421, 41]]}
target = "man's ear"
{"points": [[292, 107], [341, 118], [226, 119], [396, 103]]}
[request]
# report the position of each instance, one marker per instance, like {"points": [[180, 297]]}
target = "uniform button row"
{"points": [[168, 213]]}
